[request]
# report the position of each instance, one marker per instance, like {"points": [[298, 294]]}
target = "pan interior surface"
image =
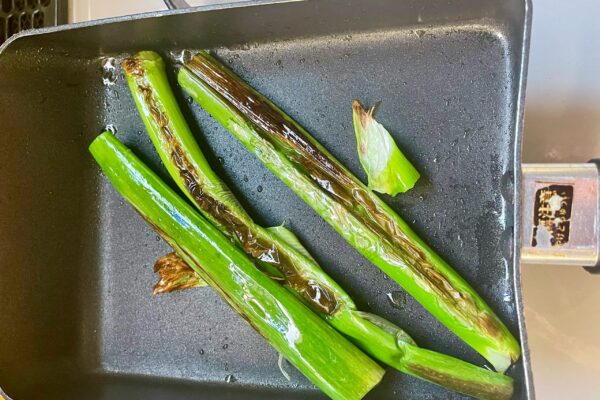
{"points": [[78, 316]]}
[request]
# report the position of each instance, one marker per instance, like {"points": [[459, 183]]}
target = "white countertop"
{"points": [[562, 304]]}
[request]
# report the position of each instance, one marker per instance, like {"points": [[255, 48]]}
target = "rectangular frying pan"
{"points": [[78, 319]]}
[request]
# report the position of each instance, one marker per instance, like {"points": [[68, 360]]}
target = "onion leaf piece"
{"points": [[388, 170]]}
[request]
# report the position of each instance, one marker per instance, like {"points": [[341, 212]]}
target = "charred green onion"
{"points": [[278, 252], [388, 170], [330, 361], [361, 217], [175, 274]]}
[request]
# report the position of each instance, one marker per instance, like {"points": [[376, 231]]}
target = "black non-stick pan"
{"points": [[78, 319]]}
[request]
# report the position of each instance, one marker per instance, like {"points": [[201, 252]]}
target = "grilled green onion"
{"points": [[330, 361], [277, 250], [355, 212]]}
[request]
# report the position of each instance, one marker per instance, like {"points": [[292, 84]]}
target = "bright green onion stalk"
{"points": [[325, 357], [278, 249], [388, 170], [355, 212]]}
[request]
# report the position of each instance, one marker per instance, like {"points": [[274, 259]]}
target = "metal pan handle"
{"points": [[176, 4], [561, 214], [179, 4]]}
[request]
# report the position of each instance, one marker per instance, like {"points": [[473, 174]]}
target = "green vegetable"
{"points": [[329, 360], [355, 212], [387, 168], [277, 250]]}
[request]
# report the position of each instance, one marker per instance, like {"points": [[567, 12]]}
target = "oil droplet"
{"points": [[201, 352], [182, 56], [157, 238], [397, 299], [190, 100], [220, 160], [278, 63], [230, 378], [259, 189], [111, 128], [225, 346], [109, 71], [245, 178]]}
